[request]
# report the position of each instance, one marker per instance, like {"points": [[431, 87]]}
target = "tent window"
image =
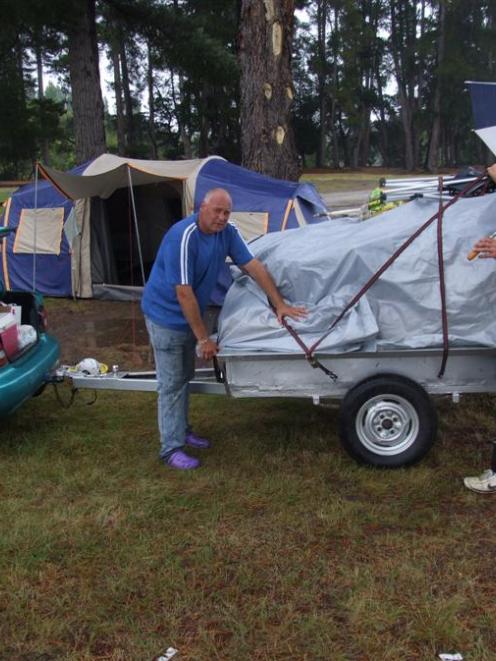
{"points": [[250, 223], [49, 224]]}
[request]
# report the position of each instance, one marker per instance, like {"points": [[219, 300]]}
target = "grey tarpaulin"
{"points": [[323, 266]]}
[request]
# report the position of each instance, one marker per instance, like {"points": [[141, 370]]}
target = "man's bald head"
{"points": [[215, 210]]}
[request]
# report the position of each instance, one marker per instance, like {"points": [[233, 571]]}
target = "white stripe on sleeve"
{"points": [[184, 253]]}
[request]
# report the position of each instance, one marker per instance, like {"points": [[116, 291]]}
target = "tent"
{"points": [[94, 231]]}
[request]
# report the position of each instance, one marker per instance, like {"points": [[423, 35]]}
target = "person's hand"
{"points": [[486, 247], [208, 349], [491, 171], [295, 312]]}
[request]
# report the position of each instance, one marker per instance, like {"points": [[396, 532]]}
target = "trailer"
{"points": [[387, 416]]}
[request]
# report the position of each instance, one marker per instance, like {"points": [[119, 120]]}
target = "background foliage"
{"points": [[377, 82]]}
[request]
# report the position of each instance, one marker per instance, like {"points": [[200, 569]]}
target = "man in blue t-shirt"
{"points": [[174, 300]]}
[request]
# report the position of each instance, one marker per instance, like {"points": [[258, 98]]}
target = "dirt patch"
{"points": [[113, 332]]}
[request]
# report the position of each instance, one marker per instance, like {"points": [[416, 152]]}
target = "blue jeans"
{"points": [[174, 353]]}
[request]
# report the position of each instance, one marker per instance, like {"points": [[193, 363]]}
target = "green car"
{"points": [[28, 357]]}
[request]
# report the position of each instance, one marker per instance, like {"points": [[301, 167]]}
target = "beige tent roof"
{"points": [[109, 172]]}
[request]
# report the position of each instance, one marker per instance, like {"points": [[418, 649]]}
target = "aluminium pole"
{"points": [[35, 223], [136, 224]]}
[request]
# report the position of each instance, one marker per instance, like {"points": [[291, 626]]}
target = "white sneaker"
{"points": [[484, 483]]}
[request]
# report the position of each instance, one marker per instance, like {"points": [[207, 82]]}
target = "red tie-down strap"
{"points": [[310, 351], [314, 362], [442, 283]]}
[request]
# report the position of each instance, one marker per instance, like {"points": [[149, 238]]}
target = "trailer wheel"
{"points": [[387, 421]]}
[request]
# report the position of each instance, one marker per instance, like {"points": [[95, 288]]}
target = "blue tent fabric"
{"points": [[50, 272], [53, 272], [483, 96], [256, 192]]}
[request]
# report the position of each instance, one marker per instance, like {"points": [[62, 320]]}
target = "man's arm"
{"points": [[191, 310], [264, 280]]}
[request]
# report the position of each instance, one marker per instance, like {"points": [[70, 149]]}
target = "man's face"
{"points": [[214, 214]]}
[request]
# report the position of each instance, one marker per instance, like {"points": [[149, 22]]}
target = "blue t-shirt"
{"points": [[188, 256]]}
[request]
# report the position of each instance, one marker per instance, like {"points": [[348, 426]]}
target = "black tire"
{"points": [[387, 421]]}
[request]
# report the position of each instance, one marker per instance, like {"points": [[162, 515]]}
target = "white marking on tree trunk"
{"points": [[280, 135], [276, 39], [269, 10], [267, 88]]}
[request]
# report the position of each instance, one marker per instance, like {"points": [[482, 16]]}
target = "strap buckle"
{"points": [[316, 364]]}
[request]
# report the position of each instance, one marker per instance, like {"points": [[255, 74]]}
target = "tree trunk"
{"points": [[41, 94], [87, 104], [364, 139], [184, 133], [21, 102], [179, 115], [128, 101], [491, 50], [383, 136], [119, 106], [401, 38], [39, 71], [151, 105], [322, 81], [433, 155], [267, 140], [203, 139], [407, 124], [335, 83], [364, 126]]}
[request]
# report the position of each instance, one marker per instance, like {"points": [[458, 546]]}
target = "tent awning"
{"points": [[108, 172]]}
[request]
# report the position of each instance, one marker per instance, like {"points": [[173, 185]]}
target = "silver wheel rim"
{"points": [[387, 424]]}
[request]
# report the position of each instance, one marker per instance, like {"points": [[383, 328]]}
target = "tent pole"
{"points": [[136, 224], [35, 223]]}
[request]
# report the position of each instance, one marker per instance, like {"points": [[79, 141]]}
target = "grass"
{"points": [[333, 182], [279, 547], [352, 180], [5, 193]]}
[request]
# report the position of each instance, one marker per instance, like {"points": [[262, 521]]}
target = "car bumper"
{"points": [[21, 379]]}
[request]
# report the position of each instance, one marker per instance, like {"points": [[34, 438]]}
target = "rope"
{"points": [[74, 392]]}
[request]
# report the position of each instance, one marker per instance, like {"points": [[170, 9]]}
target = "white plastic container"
{"points": [[17, 310]]}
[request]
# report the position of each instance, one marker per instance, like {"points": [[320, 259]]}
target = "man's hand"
{"points": [[208, 349], [285, 310], [491, 171], [486, 247]]}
